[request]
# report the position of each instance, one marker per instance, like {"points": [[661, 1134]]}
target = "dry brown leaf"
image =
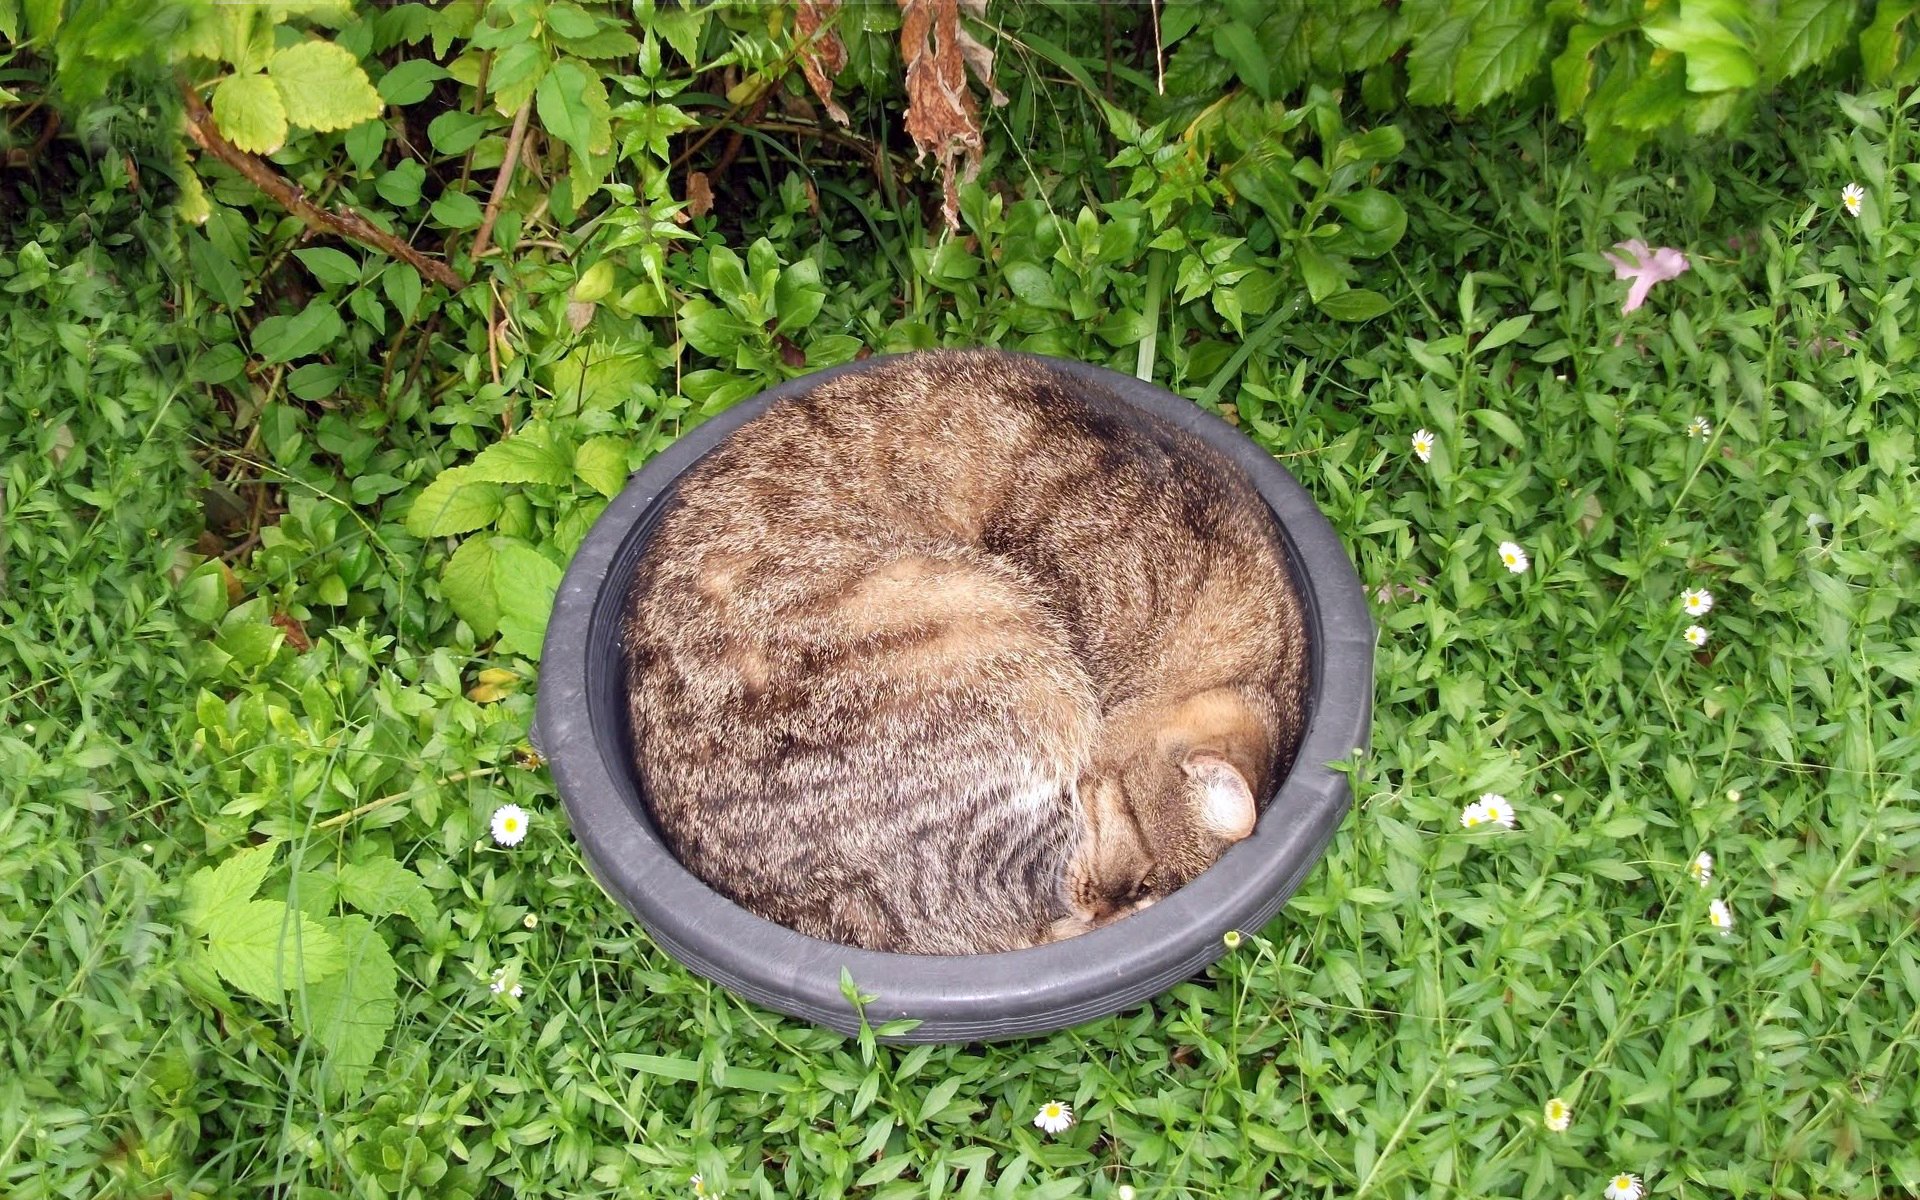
{"points": [[822, 54], [942, 116], [699, 195]]}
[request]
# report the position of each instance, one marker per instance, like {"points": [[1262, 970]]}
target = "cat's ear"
{"points": [[1224, 801]]}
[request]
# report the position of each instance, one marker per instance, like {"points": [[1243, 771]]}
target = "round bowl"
{"points": [[581, 727]]}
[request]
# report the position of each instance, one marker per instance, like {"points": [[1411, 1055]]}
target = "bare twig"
{"points": [[395, 798], [503, 180], [345, 223]]}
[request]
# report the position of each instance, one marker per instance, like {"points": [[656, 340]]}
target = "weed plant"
{"points": [[392, 999]]}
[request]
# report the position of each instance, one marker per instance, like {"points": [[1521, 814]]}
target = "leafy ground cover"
{"points": [[280, 519]]}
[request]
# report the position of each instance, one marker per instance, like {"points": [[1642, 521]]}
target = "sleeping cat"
{"points": [[940, 658]]}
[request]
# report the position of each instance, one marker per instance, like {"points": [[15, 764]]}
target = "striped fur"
{"points": [[937, 658]]}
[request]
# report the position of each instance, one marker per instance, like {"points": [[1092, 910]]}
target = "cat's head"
{"points": [[1164, 803]]}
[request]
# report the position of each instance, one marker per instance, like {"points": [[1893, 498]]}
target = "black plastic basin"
{"points": [[581, 727]]}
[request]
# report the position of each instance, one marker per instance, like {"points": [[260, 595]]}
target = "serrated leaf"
{"points": [[323, 86], [1716, 58], [1573, 69], [1806, 32], [249, 113], [525, 580], [350, 1012], [601, 464], [467, 583], [381, 887], [1498, 58], [228, 885], [529, 456], [455, 502], [1880, 42], [263, 948]]}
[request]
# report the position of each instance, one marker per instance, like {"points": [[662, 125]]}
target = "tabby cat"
{"points": [[941, 658]]}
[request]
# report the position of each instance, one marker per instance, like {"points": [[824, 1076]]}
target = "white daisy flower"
{"points": [[1624, 1187], [1696, 635], [1513, 556], [498, 984], [1054, 1116], [1701, 868], [509, 824], [1496, 810], [1124, 1192], [1423, 445], [530, 921], [1850, 198], [699, 1185], [1697, 601], [1700, 428], [1473, 815], [1720, 916], [1559, 1115]]}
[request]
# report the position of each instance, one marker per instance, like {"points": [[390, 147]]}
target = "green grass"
{"points": [[1395, 1032]]}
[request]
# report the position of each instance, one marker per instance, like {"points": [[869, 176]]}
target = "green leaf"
{"points": [[798, 296], [211, 890], [1716, 58], [570, 20], [1502, 425], [309, 331], [1432, 55], [1372, 222], [710, 329], [727, 279], [1236, 42], [400, 187], [263, 948], [467, 583], [1320, 273], [402, 285], [1880, 42], [411, 81], [526, 581], [572, 103], [456, 210], [529, 456], [330, 266], [1355, 304], [323, 86], [350, 1012], [1806, 32], [455, 132], [248, 112], [601, 464], [456, 502], [1573, 69], [381, 887], [1504, 332], [220, 364], [1498, 58]]}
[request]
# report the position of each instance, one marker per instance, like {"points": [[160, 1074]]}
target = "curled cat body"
{"points": [[942, 658]]}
